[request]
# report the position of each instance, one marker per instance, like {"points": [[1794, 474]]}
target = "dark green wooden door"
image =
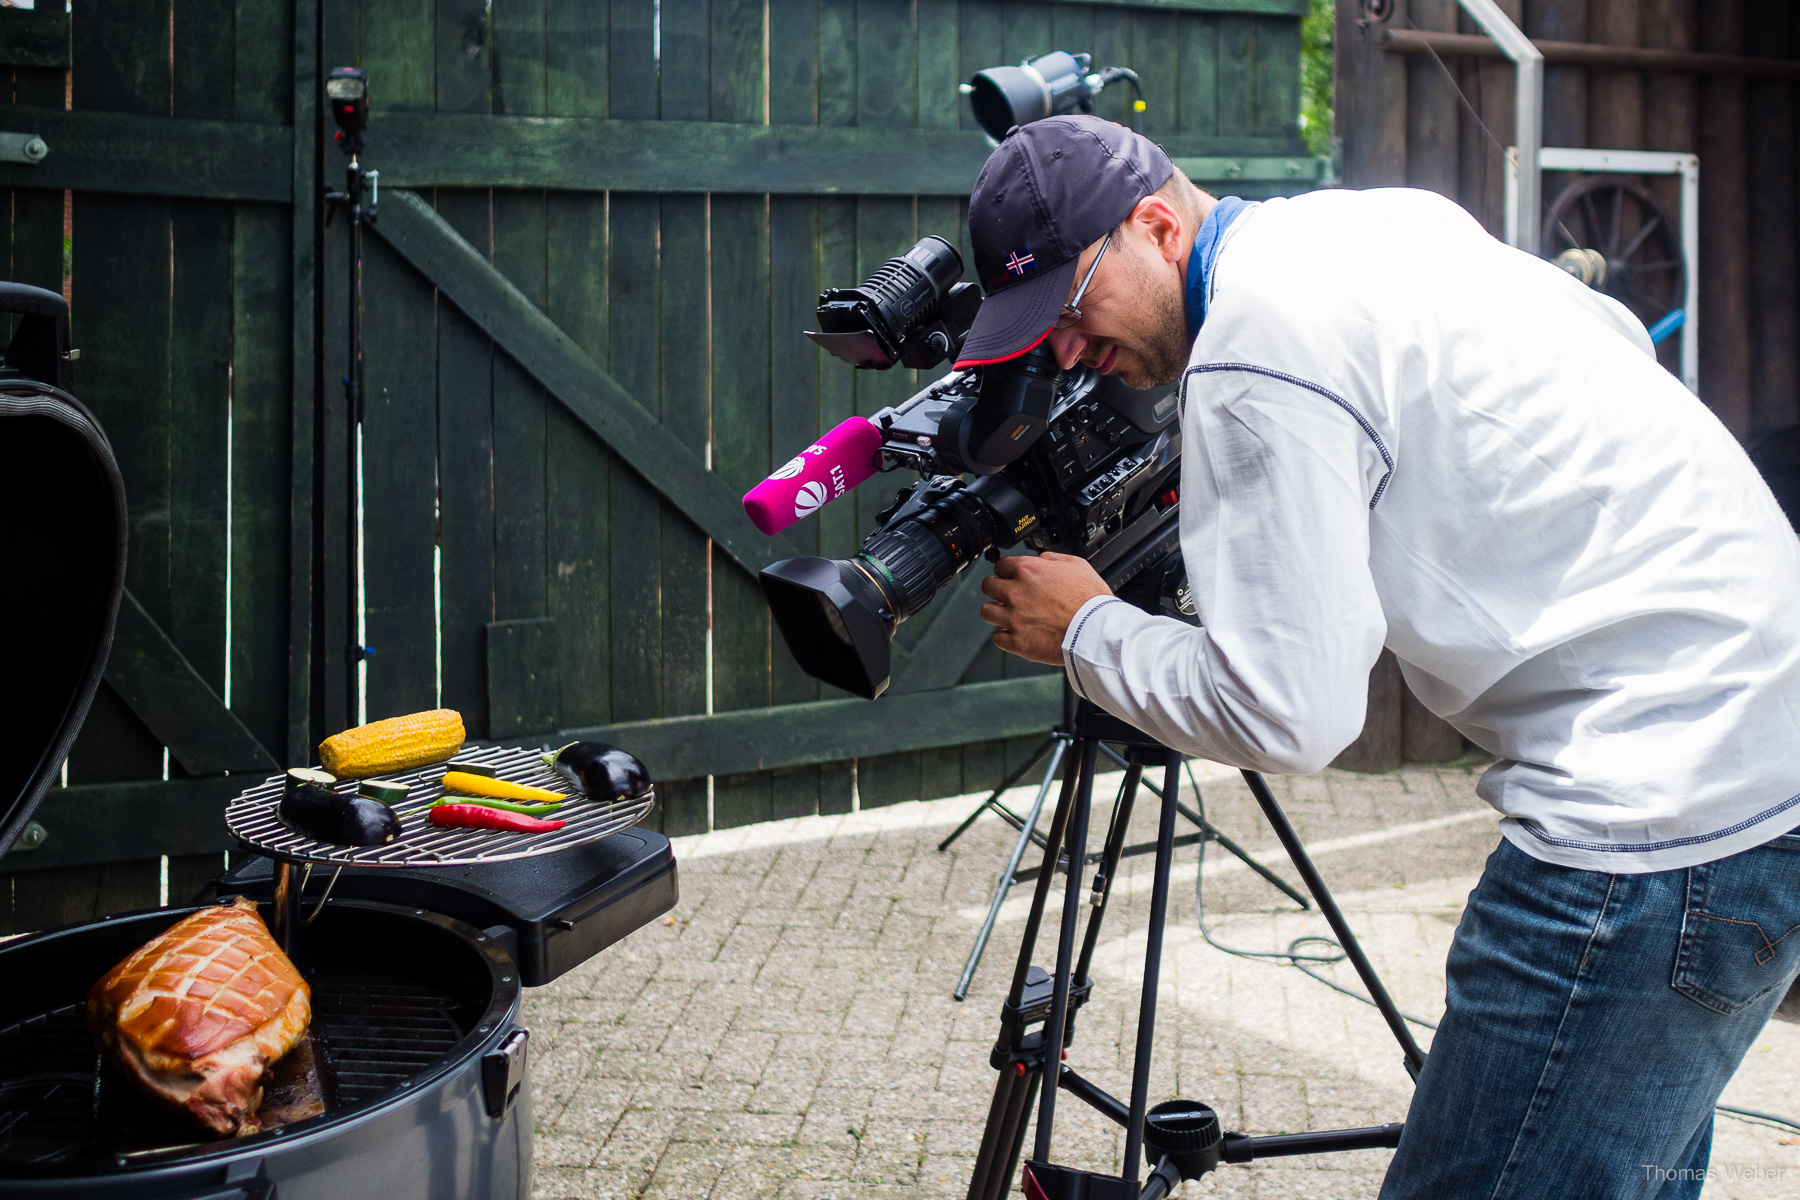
{"points": [[602, 228]]}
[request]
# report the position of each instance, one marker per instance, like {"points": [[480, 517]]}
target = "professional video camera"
{"points": [[1073, 462]]}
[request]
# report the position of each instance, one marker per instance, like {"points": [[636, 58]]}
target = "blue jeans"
{"points": [[1592, 1022]]}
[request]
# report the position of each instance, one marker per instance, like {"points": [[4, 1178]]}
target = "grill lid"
{"points": [[63, 523]]}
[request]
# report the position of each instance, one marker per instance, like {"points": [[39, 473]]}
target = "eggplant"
{"points": [[604, 772], [327, 816]]}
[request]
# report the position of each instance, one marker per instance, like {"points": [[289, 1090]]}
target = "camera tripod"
{"points": [[1183, 1137], [1055, 749]]}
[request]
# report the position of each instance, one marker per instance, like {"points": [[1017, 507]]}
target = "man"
{"points": [[1397, 431]]}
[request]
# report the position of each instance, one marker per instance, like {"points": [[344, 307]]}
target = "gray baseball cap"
{"points": [[1051, 189]]}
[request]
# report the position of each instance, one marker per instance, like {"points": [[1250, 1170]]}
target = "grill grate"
{"points": [[252, 820], [378, 1032]]}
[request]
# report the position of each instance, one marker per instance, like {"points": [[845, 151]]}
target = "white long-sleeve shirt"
{"points": [[1397, 430]]}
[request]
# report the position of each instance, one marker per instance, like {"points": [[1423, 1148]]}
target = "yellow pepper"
{"points": [[498, 789]]}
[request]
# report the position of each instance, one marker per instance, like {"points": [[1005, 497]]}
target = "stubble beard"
{"points": [[1165, 348]]}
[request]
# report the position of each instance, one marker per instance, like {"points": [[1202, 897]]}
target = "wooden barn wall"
{"points": [[1404, 123]]}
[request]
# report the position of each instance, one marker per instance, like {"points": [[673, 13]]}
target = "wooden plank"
{"points": [[1615, 98], [121, 822], [1565, 87], [121, 273], [399, 55], [71, 895], [938, 72], [1156, 57], [150, 673], [1261, 8], [199, 403], [635, 569], [1726, 320], [578, 468], [887, 67], [399, 483], [463, 70], [575, 58], [262, 75], [793, 63], [828, 730], [599, 401], [200, 41], [123, 48], [837, 66], [742, 455], [1671, 108], [1370, 103], [467, 540], [518, 50], [1775, 364], [686, 555], [421, 150], [520, 410], [304, 386], [683, 76], [34, 39], [523, 659], [263, 308], [1237, 76], [1433, 112], [1198, 106], [631, 60], [152, 155]]}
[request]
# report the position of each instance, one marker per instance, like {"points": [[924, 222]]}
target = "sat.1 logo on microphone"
{"points": [[793, 467], [808, 499]]}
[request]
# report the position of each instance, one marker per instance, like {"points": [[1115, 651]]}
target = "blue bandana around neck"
{"points": [[1206, 248]]}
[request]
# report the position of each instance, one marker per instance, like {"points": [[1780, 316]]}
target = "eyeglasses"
{"points": [[1071, 312]]}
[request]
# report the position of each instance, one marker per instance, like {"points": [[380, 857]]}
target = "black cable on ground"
{"points": [[1332, 952]]}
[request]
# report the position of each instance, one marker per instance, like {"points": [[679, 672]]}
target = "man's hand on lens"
{"points": [[1032, 601]]}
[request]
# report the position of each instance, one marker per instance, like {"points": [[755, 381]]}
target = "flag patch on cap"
{"points": [[1019, 262]]}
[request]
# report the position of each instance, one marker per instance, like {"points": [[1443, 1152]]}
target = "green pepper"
{"points": [[529, 810]]}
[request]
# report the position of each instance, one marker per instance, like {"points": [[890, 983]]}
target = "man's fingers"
{"points": [[996, 614], [1008, 567], [995, 589]]}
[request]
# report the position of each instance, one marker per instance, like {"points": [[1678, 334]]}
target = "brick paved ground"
{"points": [[789, 1032]]}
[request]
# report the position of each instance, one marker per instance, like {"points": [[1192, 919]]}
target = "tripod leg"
{"points": [[994, 796], [1159, 913], [1315, 883], [1065, 947], [1006, 876], [1108, 867], [1005, 1129], [1000, 1139]]}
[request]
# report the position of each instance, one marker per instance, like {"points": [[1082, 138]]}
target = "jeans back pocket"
{"points": [[1740, 934]]}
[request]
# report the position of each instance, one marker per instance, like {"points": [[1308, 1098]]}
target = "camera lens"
{"points": [[838, 615]]}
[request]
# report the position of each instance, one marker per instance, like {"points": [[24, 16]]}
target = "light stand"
{"points": [[347, 93]]}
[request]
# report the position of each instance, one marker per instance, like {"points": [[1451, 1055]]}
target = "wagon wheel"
{"points": [[1610, 233]]}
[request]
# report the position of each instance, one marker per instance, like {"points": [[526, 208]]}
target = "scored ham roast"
{"points": [[196, 1016]]}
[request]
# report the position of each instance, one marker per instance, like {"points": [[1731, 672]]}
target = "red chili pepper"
{"points": [[477, 816]]}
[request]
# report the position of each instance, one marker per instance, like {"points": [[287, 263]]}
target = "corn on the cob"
{"points": [[396, 744], [499, 789]]}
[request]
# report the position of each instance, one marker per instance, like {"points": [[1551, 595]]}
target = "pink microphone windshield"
{"points": [[822, 472]]}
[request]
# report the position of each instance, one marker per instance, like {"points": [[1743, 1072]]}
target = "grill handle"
{"points": [[243, 1181], [503, 1071]]}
